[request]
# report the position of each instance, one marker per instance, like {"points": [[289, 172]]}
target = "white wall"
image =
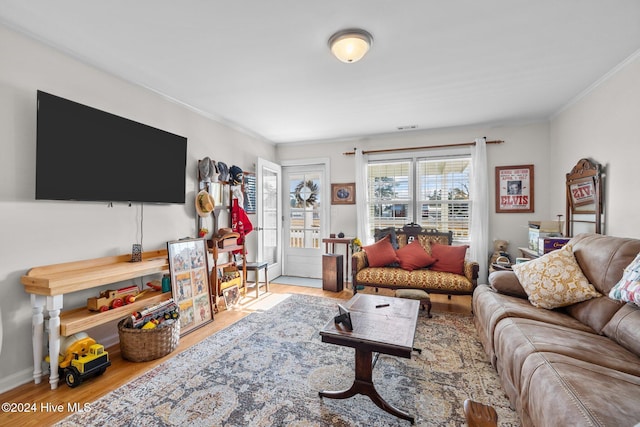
{"points": [[34, 233], [523, 144], [604, 126]]}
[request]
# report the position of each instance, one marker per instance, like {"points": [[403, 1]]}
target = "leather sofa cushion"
{"points": [[624, 328], [603, 258], [596, 312], [506, 282], [558, 390], [491, 307], [517, 339]]}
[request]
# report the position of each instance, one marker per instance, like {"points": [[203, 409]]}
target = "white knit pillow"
{"points": [[554, 280]]}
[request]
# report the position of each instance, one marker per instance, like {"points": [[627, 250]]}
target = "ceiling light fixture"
{"points": [[350, 45]]}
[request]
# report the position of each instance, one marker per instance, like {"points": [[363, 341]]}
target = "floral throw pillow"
{"points": [[628, 288], [555, 280]]}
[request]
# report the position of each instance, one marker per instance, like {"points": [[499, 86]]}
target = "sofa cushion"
{"points": [[450, 259], [624, 328], [381, 253], [490, 307], [393, 277], [413, 256], [603, 258], [506, 282], [558, 390], [596, 312], [628, 288], [554, 280]]}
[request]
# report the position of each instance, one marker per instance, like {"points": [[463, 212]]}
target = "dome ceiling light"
{"points": [[350, 45]]}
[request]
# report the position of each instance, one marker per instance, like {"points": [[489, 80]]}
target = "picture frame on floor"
{"points": [[231, 296], [190, 286]]}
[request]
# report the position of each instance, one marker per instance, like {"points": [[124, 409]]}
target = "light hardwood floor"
{"points": [[47, 402]]}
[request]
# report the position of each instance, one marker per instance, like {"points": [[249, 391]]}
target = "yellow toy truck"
{"points": [[80, 358]]}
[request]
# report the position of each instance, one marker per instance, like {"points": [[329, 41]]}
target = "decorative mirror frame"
{"points": [[584, 195]]}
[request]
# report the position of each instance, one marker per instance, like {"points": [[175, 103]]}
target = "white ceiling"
{"points": [[264, 65]]}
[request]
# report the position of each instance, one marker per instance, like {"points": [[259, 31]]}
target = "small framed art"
{"points": [[514, 189], [343, 194], [190, 282], [231, 296]]}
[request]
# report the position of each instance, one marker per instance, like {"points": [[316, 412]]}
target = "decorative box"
{"points": [[548, 244], [542, 229]]}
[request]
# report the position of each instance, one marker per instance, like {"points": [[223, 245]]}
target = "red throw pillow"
{"points": [[450, 259], [381, 253], [413, 256]]}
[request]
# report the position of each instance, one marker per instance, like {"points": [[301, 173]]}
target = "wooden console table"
{"points": [[47, 286]]}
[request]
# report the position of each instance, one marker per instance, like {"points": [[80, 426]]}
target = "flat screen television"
{"points": [[90, 155]]}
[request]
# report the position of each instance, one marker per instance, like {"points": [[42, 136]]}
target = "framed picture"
{"points": [[583, 193], [190, 282], [343, 318], [231, 296], [514, 188], [343, 194]]}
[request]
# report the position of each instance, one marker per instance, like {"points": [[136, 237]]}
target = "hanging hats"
{"points": [[235, 175], [225, 233], [204, 203], [208, 170], [224, 171]]}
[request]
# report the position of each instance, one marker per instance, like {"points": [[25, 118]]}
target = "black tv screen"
{"points": [[87, 154]]}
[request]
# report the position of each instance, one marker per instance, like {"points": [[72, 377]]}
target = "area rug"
{"points": [[267, 370]]}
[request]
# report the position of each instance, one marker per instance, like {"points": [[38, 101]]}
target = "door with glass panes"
{"points": [[303, 220]]}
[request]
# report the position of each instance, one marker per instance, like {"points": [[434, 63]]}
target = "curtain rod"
{"points": [[391, 150]]}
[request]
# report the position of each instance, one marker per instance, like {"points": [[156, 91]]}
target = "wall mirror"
{"points": [[584, 198]]}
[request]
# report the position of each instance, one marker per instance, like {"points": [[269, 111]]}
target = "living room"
{"points": [[598, 122]]}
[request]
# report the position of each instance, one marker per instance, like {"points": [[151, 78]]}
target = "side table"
{"points": [[346, 241]]}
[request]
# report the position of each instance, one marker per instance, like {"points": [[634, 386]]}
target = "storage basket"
{"points": [[141, 345]]}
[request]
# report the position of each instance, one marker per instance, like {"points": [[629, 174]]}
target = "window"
{"points": [[432, 192]]}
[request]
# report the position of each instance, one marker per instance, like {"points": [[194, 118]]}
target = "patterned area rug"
{"points": [[267, 370]]}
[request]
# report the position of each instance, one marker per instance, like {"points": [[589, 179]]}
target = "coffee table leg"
{"points": [[363, 384]]}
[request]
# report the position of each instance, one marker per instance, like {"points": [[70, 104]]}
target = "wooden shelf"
{"points": [[81, 319], [60, 279], [48, 285]]}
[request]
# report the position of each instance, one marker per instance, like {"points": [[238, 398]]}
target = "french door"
{"points": [[305, 214], [269, 213]]}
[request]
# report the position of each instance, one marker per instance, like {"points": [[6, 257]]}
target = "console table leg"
{"points": [[363, 384], [37, 335], [54, 305]]}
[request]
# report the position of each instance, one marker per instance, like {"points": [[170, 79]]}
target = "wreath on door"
{"points": [[306, 194]]}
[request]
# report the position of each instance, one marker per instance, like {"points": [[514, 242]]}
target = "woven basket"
{"points": [[141, 345]]}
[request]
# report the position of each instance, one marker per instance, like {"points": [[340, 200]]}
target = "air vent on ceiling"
{"points": [[408, 127]]}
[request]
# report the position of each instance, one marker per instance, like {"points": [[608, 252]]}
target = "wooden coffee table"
{"points": [[388, 330]]}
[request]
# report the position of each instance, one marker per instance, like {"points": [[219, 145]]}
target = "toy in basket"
{"points": [[150, 333]]}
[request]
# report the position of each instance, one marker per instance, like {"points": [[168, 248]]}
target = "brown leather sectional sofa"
{"points": [[574, 366]]}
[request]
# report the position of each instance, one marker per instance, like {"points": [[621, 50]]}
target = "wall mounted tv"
{"points": [[91, 155]]}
